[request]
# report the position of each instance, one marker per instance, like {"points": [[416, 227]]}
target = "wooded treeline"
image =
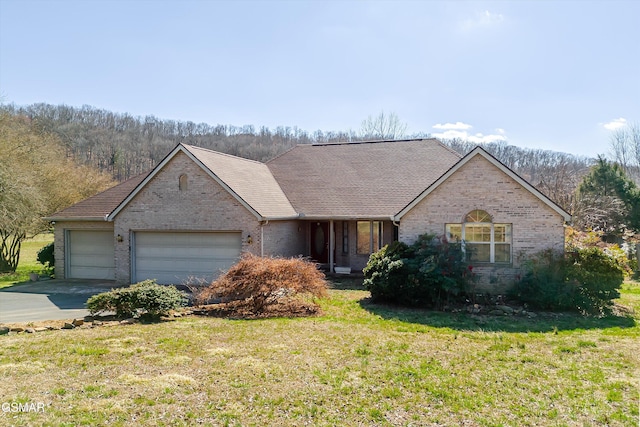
{"points": [[125, 146]]}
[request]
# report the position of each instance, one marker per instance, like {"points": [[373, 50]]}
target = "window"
{"points": [[183, 182], [345, 237], [483, 240], [368, 238]]}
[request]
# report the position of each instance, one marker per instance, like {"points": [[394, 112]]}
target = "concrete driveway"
{"points": [[49, 299]]}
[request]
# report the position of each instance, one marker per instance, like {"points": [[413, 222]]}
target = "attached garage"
{"points": [[174, 257], [90, 254]]}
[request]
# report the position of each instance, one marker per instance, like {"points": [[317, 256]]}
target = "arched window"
{"points": [[183, 182], [483, 240]]}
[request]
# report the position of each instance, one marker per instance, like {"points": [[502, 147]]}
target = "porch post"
{"points": [[332, 244]]}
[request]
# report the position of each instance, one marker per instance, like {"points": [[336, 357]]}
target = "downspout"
{"points": [[262, 224], [396, 224]]}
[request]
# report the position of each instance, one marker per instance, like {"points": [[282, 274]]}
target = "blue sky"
{"points": [[543, 74]]}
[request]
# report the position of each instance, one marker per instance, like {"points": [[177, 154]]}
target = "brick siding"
{"points": [[161, 206], [59, 234], [480, 185]]}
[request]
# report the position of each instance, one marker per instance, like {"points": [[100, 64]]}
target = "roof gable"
{"points": [[249, 182], [359, 179], [479, 151]]}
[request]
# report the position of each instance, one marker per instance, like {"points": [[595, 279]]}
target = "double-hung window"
{"points": [[482, 240]]}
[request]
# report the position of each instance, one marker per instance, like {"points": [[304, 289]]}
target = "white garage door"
{"points": [[90, 255], [172, 258]]}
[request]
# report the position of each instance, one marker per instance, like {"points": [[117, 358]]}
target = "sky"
{"points": [[558, 75]]}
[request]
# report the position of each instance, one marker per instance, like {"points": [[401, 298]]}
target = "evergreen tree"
{"points": [[608, 199]]}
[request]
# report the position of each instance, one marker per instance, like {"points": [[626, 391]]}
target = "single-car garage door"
{"points": [[172, 257], [90, 255]]}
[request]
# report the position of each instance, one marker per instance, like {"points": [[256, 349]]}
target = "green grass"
{"points": [[358, 364], [28, 260]]}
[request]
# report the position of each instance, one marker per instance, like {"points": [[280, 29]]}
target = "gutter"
{"points": [[280, 218], [348, 217], [76, 218]]}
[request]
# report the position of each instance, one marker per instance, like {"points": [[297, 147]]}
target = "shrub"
{"points": [[46, 257], [256, 285], [386, 275], [146, 297], [585, 280], [432, 271], [544, 284], [598, 277]]}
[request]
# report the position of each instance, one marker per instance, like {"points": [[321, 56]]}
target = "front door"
{"points": [[320, 242]]}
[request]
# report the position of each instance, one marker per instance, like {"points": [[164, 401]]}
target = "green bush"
{"points": [[585, 280], [386, 275], [430, 272], [544, 284], [598, 277], [145, 297], [46, 257]]}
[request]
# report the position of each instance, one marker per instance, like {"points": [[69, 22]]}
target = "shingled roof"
{"points": [[360, 179], [345, 180], [98, 207], [252, 181]]}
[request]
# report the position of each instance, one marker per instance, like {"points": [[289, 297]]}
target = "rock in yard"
{"points": [[17, 329], [30, 331], [41, 329], [68, 325], [505, 308], [77, 322], [4, 330]]}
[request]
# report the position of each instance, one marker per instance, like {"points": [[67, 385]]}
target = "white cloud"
{"points": [[459, 130], [452, 126], [615, 124], [484, 19]]}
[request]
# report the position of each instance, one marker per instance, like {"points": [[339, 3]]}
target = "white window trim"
{"points": [[491, 242]]}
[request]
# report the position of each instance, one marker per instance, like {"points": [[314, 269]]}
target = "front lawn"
{"points": [[358, 364], [28, 260]]}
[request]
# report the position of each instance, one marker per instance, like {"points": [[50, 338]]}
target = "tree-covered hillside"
{"points": [[125, 146]]}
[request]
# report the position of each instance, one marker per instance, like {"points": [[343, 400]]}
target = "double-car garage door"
{"points": [[168, 257], [172, 258]]}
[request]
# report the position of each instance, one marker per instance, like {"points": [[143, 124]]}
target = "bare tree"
{"points": [[625, 149], [383, 126], [36, 179]]}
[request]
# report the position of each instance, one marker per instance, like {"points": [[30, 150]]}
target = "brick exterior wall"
{"points": [[480, 185], [285, 238], [162, 206], [59, 233]]}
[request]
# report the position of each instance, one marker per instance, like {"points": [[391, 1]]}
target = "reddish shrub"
{"points": [[264, 287]]}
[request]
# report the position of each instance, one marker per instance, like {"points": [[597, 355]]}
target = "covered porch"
{"points": [[343, 245]]}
